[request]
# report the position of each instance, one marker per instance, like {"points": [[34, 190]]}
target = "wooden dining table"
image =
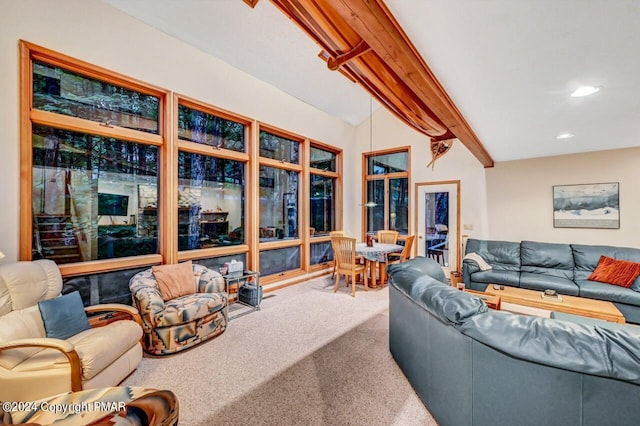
{"points": [[376, 257]]}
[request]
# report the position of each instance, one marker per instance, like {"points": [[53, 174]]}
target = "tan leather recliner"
{"points": [[33, 366]]}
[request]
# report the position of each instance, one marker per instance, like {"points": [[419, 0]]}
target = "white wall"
{"points": [[457, 164], [95, 32], [519, 197]]}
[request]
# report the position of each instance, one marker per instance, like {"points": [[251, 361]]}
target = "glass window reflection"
{"points": [[92, 196], [279, 215], [210, 201]]}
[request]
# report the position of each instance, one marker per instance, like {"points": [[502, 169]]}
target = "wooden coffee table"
{"points": [[570, 304]]}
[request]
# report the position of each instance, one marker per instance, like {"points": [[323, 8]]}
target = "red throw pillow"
{"points": [[615, 271]]}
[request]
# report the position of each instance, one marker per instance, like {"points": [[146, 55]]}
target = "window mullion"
{"points": [[51, 119]]}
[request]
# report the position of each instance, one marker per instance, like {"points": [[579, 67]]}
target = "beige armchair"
{"points": [[34, 366]]}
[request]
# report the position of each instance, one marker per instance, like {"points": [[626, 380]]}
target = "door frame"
{"points": [[458, 241]]}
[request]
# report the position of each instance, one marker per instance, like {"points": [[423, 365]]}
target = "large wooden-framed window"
{"points": [[279, 201], [105, 186], [213, 166], [325, 206], [385, 192], [92, 146]]}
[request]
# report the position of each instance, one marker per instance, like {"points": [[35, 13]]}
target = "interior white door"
{"points": [[438, 230]]}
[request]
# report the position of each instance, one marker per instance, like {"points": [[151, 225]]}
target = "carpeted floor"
{"points": [[309, 357]]}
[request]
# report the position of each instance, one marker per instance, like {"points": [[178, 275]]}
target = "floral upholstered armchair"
{"points": [[178, 316]]}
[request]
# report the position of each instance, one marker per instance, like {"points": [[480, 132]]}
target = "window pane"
{"points": [[388, 163], [278, 204], [321, 253], [375, 215], [279, 260], [322, 205], [200, 127], [323, 160], [210, 201], [399, 205], [106, 287], [279, 148], [92, 196], [65, 92]]}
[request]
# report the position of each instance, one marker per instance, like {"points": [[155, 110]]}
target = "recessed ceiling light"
{"points": [[585, 91], [565, 136]]}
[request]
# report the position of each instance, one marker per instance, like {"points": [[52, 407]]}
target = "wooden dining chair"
{"points": [[388, 237], [347, 263], [406, 252], [334, 234]]}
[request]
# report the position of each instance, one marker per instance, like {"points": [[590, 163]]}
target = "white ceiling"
{"points": [[509, 65]]}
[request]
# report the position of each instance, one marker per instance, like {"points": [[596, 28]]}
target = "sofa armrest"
{"points": [[471, 265], [66, 348], [149, 302], [210, 282], [43, 342], [111, 311]]}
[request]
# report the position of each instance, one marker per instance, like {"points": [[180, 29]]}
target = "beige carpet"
{"points": [[309, 357]]}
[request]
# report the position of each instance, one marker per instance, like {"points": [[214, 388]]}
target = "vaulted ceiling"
{"points": [[509, 67]]}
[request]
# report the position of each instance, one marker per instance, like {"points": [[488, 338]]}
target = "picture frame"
{"points": [[594, 206]]}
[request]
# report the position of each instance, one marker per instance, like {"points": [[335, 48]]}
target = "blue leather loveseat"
{"points": [[475, 366], [561, 267]]}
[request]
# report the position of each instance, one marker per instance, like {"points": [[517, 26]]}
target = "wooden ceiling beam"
{"points": [[391, 69], [373, 21]]}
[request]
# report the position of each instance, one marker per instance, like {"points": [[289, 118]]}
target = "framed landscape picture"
{"points": [[594, 205]]}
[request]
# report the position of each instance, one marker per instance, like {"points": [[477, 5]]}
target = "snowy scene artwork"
{"points": [[587, 206]]}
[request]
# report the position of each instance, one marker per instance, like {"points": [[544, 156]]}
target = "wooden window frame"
{"points": [[338, 192], [386, 177], [169, 145], [303, 221], [28, 117], [210, 151]]}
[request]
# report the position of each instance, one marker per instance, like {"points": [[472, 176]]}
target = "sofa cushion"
{"points": [[189, 308], [587, 257], [501, 255], [535, 281], [446, 303], [408, 272], [618, 272], [24, 284], [547, 259], [97, 348], [633, 255], [16, 325], [579, 319], [574, 347], [611, 293], [497, 276], [63, 316]]}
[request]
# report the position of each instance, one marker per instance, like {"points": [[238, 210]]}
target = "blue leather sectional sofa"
{"points": [[475, 366], [561, 267]]}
